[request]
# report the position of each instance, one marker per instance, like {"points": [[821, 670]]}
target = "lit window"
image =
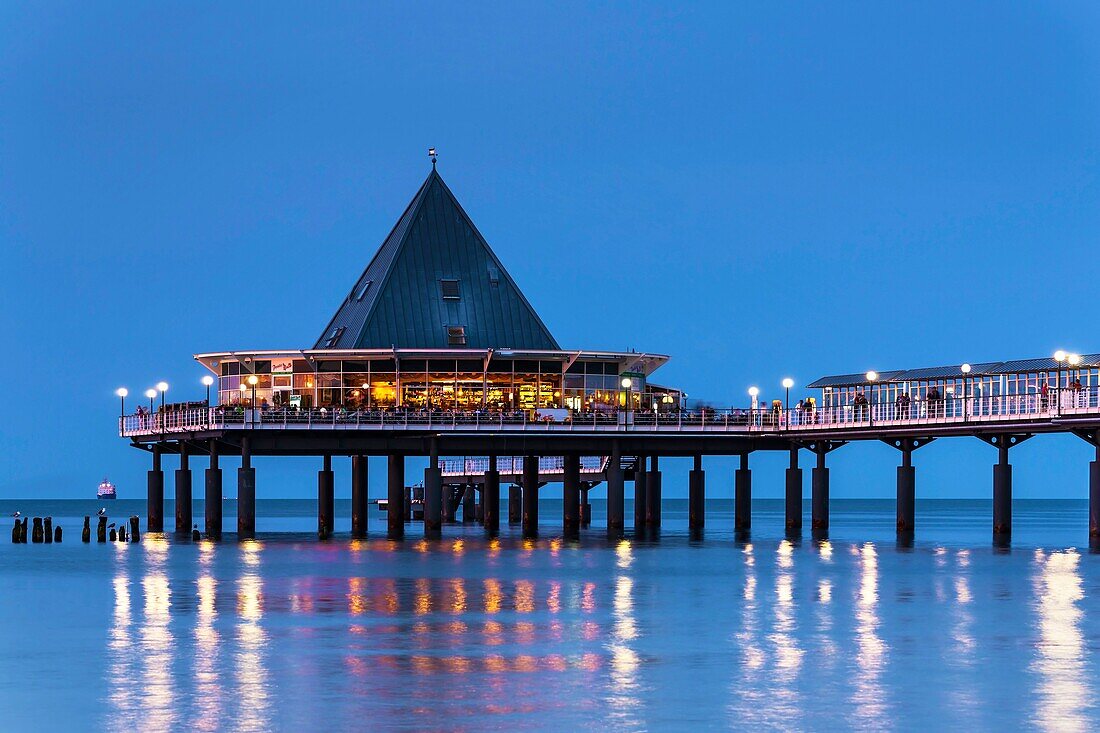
{"points": [[456, 335], [450, 290]]}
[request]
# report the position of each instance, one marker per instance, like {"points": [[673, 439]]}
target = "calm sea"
{"points": [[288, 633]]}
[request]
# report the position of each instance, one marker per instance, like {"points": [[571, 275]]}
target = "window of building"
{"points": [[450, 290], [456, 335], [334, 337], [363, 289]]}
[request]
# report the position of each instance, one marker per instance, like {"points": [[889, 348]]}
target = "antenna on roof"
{"points": [[433, 156]]}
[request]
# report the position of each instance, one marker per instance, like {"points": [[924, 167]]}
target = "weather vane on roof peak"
{"points": [[433, 156]]}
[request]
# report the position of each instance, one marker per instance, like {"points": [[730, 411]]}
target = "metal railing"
{"points": [[513, 465], [952, 410]]}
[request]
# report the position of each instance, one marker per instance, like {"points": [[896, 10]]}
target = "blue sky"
{"points": [[759, 190]]}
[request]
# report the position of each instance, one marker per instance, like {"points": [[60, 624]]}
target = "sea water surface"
{"points": [[466, 633]]}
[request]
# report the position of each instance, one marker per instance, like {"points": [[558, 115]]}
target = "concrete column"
{"points": [[1002, 493], [742, 496], [819, 494], [360, 504], [395, 497], [615, 519], [640, 494], [326, 500], [469, 502], [530, 496], [155, 495], [793, 502], [571, 496], [585, 508], [408, 503], [184, 512], [246, 494], [490, 497], [1094, 500], [213, 495], [433, 495], [449, 508], [907, 492], [697, 493], [653, 495], [515, 504]]}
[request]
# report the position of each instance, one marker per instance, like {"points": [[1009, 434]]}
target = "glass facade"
{"points": [[437, 383]]}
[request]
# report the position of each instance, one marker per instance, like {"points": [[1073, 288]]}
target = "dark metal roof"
{"points": [[407, 305], [1020, 366]]}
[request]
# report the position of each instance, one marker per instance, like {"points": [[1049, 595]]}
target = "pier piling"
{"points": [[326, 499], [571, 496], [653, 495], [641, 477], [246, 494], [1002, 493], [819, 490], [793, 493], [1094, 500], [530, 496], [155, 494], [515, 504], [742, 501], [615, 520], [213, 496], [490, 497], [697, 492], [586, 507], [360, 505], [396, 497], [469, 504], [433, 494], [184, 511]]}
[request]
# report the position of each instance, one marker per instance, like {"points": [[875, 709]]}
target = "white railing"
{"points": [[513, 465], [953, 410]]}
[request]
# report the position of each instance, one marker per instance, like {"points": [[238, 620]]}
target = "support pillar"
{"points": [[697, 492], [571, 496], [586, 508], [819, 492], [907, 492], [246, 494], [360, 504], [793, 503], [326, 500], [433, 494], [155, 495], [615, 519], [1094, 500], [653, 495], [213, 503], [742, 496], [490, 497], [515, 504], [469, 501], [640, 493], [395, 497], [1002, 494], [184, 513], [449, 507], [530, 496]]}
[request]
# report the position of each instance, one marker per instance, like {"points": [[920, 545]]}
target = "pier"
{"points": [[435, 353]]}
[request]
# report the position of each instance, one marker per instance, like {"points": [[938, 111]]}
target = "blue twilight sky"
{"points": [[757, 189]]}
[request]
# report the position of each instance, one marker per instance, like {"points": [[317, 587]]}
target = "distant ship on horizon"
{"points": [[106, 490]]}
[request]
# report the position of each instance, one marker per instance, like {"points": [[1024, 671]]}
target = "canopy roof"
{"points": [[1019, 366], [435, 283]]}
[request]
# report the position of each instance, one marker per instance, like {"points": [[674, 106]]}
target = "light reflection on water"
{"points": [[469, 634]]}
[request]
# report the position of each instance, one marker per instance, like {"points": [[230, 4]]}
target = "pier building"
{"points": [[434, 351]]}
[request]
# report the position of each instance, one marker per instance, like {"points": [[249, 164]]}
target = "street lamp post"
{"points": [[122, 392], [151, 394], [1074, 360], [787, 384], [872, 376], [162, 387], [253, 380], [754, 403], [965, 369], [207, 381], [627, 383]]}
